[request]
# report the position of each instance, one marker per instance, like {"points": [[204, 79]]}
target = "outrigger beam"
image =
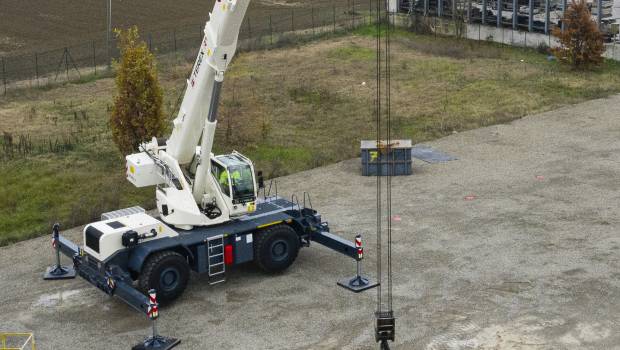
{"points": [[357, 283], [335, 243], [110, 282]]}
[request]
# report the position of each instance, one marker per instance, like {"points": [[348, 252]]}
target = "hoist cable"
{"points": [[378, 127], [385, 326], [383, 102], [391, 155]]}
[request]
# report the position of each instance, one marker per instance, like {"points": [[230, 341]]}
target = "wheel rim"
{"points": [[279, 250], [169, 279]]}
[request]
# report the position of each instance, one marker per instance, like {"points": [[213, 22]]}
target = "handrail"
{"points": [[309, 200], [294, 200], [268, 193], [271, 184]]}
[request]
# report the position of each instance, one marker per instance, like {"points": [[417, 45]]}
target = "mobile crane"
{"points": [[210, 214]]}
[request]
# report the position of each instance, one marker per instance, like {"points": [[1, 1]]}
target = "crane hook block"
{"points": [[385, 328]]}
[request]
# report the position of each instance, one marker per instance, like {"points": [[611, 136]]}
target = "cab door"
{"points": [[222, 178]]}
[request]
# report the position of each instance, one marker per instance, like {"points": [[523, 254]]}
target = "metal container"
{"points": [[377, 160]]}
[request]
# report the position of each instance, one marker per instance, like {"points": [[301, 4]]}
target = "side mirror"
{"points": [[261, 180]]}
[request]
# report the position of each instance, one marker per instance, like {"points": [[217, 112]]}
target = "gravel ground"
{"points": [[514, 246]]}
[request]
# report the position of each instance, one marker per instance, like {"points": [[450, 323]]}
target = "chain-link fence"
{"points": [[91, 58], [521, 15], [460, 27]]}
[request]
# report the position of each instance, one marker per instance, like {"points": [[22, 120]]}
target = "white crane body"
{"points": [[209, 216], [189, 192]]}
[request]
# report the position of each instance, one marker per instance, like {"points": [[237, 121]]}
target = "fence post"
{"points": [[599, 13], [174, 38], [292, 20], [353, 13], [4, 75], [334, 15], [250, 31], [36, 67], [67, 63], [564, 7], [530, 16], [313, 29], [515, 14], [94, 57], [270, 30], [109, 34], [499, 15]]}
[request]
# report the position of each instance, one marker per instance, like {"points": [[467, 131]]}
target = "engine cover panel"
{"points": [[104, 238]]}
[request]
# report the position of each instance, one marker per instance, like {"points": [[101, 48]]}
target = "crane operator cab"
{"points": [[234, 173]]}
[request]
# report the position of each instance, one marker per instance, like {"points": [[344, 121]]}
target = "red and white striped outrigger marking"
{"points": [[358, 245], [153, 310], [55, 236], [111, 283]]}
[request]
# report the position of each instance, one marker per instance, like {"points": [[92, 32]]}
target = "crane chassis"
{"points": [[270, 237]]}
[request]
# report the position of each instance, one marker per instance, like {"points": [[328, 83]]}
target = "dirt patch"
{"points": [[32, 25]]}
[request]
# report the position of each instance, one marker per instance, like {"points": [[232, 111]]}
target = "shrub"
{"points": [[137, 113], [581, 42], [542, 48], [419, 24]]}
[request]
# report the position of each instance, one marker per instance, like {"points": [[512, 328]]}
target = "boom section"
{"points": [[198, 113]]}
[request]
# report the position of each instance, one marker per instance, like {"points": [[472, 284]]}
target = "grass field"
{"points": [[289, 109]]}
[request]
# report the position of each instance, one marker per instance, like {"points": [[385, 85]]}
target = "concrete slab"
{"points": [[514, 246], [430, 155]]}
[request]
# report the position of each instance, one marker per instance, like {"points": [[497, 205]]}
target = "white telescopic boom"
{"points": [[198, 113]]}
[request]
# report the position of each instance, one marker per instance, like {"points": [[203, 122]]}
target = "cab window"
{"points": [[242, 182], [221, 176]]}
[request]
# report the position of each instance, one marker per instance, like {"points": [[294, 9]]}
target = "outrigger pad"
{"points": [[157, 343], [58, 272], [357, 284]]}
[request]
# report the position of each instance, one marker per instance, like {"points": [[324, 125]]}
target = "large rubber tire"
{"points": [[276, 248], [167, 272]]}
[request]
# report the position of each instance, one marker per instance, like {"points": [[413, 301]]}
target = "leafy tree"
{"points": [[137, 115], [581, 41]]}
